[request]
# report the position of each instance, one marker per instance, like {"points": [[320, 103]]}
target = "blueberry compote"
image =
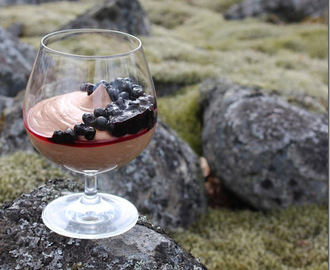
{"points": [[130, 112]]}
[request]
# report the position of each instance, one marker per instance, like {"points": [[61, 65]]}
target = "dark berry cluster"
{"points": [[131, 111], [118, 88]]}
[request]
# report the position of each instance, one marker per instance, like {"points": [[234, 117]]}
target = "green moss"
{"points": [[309, 40], [21, 172], [294, 238], [169, 17], [315, 41], [216, 5], [181, 112]]}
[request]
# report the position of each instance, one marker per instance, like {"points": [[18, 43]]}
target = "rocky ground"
{"points": [[248, 98]]}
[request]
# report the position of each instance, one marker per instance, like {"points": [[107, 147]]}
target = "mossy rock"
{"points": [[291, 239], [23, 171]]}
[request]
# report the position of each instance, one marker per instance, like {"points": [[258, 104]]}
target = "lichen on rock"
{"points": [[267, 151]]}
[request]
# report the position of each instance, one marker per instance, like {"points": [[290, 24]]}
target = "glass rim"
{"points": [[93, 31]]}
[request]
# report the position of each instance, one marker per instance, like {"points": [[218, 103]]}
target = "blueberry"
{"points": [[124, 95], [69, 135], [88, 119], [116, 83], [58, 136], [101, 122], [100, 112], [104, 82], [127, 86], [88, 87], [89, 133], [80, 128], [137, 91], [83, 87], [121, 103], [91, 88], [113, 93], [127, 79]]}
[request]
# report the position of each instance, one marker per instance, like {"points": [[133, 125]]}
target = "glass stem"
{"points": [[90, 193]]}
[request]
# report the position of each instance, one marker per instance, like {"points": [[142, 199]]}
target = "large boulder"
{"points": [[122, 15], [165, 182], [288, 10], [265, 150], [16, 60], [26, 243]]}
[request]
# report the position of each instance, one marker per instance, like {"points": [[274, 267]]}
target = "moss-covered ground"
{"points": [[23, 171], [191, 41], [291, 239]]}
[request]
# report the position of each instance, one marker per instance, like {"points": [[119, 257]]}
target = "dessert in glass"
{"points": [[90, 106]]}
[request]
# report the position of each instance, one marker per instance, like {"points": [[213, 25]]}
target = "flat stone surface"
{"points": [[26, 243]]}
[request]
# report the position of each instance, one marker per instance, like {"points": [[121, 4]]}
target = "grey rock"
{"points": [[26, 243], [165, 182], [5, 102], [16, 29], [288, 10], [23, 2], [122, 15], [265, 150], [16, 60]]}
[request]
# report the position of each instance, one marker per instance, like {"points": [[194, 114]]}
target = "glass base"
{"points": [[101, 216]]}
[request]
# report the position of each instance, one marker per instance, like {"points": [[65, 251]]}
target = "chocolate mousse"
{"points": [[99, 127]]}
